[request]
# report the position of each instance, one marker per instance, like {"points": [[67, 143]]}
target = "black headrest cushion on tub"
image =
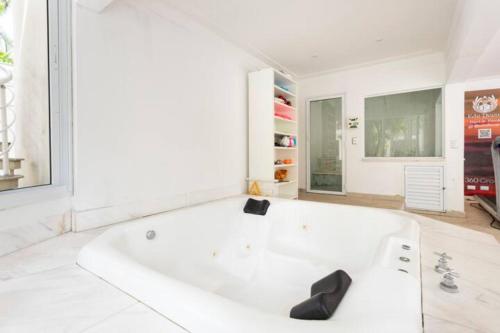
{"points": [[326, 295], [256, 207]]}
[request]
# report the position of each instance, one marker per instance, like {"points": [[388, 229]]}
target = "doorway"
{"points": [[325, 145]]}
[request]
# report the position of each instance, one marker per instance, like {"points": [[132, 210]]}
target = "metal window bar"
{"points": [[5, 126]]}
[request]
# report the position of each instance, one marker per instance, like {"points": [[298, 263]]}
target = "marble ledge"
{"points": [[476, 257], [18, 237], [50, 254]]}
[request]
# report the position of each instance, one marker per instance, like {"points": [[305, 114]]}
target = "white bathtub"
{"points": [[212, 268]]}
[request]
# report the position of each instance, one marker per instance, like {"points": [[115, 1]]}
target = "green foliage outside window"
{"points": [[5, 42], [3, 5]]}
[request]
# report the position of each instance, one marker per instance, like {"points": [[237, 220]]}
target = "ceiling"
{"points": [[313, 36]]}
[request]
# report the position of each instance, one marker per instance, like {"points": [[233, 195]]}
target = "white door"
{"points": [[325, 145]]}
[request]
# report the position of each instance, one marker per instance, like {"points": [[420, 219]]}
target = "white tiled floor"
{"points": [[53, 253], [137, 318], [64, 299], [43, 290]]}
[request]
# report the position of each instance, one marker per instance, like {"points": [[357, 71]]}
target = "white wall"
{"points": [[160, 114], [386, 177]]}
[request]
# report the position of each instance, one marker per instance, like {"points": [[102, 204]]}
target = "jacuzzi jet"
{"points": [[406, 247], [403, 270], [404, 259], [150, 234]]}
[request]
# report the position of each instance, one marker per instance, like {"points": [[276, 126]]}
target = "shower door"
{"points": [[325, 145]]}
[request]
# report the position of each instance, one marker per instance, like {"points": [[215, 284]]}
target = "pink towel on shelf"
{"points": [[285, 116]]}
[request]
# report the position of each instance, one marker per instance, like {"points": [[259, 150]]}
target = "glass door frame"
{"points": [[308, 143]]}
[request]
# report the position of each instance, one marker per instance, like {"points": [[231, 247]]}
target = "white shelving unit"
{"points": [[269, 122]]}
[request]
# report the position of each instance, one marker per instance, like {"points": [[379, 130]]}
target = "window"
{"points": [[35, 91], [404, 125], [35, 77]]}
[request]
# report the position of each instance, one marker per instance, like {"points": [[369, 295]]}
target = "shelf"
{"points": [[288, 196], [261, 128], [278, 91], [285, 183], [329, 173], [285, 120], [283, 80], [277, 166], [283, 105], [285, 148], [284, 133]]}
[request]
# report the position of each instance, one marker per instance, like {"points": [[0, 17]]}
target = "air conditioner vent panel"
{"points": [[424, 188]]}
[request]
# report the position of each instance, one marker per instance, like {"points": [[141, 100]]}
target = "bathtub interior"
{"points": [[269, 263]]}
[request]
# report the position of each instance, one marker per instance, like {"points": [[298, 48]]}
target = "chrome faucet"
{"points": [[442, 266], [448, 283]]}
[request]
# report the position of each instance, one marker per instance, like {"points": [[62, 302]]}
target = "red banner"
{"points": [[482, 126]]}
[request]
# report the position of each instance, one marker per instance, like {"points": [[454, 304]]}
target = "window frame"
{"points": [[409, 158], [59, 13]]}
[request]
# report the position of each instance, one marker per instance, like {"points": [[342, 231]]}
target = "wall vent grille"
{"points": [[424, 188]]}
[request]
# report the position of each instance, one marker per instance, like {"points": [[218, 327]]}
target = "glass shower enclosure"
{"points": [[325, 151]]}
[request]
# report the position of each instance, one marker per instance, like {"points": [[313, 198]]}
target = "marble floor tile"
{"points": [[436, 325], [476, 257], [472, 251], [137, 318], [18, 238], [474, 306], [66, 299], [49, 254]]}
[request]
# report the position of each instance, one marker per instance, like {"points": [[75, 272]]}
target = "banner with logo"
{"points": [[482, 125]]}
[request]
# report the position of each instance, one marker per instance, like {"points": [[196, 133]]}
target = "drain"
{"points": [[406, 247], [404, 259], [150, 234]]}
